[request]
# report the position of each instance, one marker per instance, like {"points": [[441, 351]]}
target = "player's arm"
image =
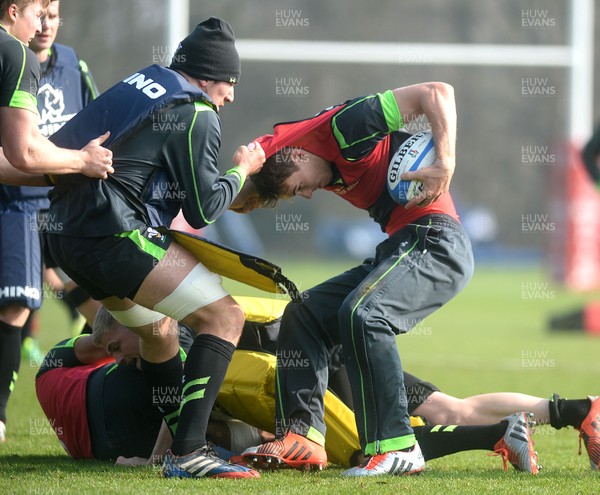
{"points": [[163, 442], [70, 353], [435, 100], [26, 149], [192, 160], [14, 177], [24, 146], [87, 352], [360, 124]]}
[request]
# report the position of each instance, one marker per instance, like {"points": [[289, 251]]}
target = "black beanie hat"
{"points": [[209, 52]]}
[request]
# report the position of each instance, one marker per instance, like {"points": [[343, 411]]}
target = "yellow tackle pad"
{"points": [[235, 265]]}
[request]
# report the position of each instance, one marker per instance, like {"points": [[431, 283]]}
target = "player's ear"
{"points": [[298, 156], [13, 10]]}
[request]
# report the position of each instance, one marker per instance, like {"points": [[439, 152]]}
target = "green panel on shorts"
{"points": [[144, 244]]}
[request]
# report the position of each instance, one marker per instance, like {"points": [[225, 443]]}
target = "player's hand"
{"points": [[250, 158], [436, 181], [97, 159], [131, 461]]}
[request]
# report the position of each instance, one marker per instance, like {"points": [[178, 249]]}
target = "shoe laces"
{"points": [[502, 452], [366, 464], [275, 447], [586, 440], [208, 450]]}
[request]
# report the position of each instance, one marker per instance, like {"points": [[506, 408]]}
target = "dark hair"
{"points": [[274, 172], [21, 5]]}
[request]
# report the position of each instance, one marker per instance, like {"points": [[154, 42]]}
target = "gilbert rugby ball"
{"points": [[415, 153]]}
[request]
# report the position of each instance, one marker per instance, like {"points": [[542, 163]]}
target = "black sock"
{"points": [[564, 412], [205, 369], [26, 330], [164, 380], [438, 441], [10, 360]]}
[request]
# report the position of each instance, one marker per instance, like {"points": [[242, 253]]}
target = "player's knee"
{"points": [[442, 409], [14, 314], [198, 290], [230, 321], [223, 318]]}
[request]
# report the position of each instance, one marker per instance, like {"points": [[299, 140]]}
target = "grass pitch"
{"points": [[492, 337]]}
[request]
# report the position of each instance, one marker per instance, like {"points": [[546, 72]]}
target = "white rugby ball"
{"points": [[416, 152]]}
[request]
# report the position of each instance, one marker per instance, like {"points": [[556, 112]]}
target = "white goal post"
{"points": [[577, 56]]}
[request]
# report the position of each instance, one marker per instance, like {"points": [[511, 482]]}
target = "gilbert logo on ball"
{"points": [[416, 152]]}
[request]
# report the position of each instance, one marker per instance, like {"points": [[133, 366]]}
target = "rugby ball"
{"points": [[416, 152]]}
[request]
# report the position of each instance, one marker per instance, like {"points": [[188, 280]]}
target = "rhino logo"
{"points": [[53, 103], [51, 106]]}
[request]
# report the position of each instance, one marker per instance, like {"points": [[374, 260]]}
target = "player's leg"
{"points": [[510, 438], [339, 382], [160, 358], [440, 408], [81, 306], [428, 402], [185, 290], [111, 269], [307, 334], [482, 409], [582, 414], [11, 317], [78, 299], [20, 292], [412, 278], [375, 373], [163, 278]]}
